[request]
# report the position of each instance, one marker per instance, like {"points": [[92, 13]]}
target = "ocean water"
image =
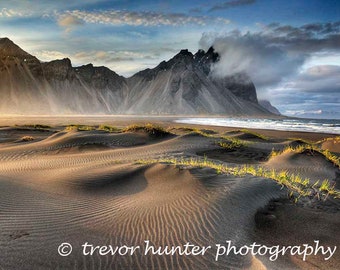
{"points": [[306, 125]]}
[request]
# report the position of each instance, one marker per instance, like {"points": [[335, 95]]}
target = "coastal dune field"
{"points": [[133, 184]]}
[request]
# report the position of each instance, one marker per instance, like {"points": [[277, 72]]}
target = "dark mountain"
{"points": [[268, 106], [182, 85]]}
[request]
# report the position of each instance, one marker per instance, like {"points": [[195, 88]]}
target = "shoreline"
{"points": [[163, 121]]}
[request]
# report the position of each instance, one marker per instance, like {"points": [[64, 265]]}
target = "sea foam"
{"points": [[305, 125]]}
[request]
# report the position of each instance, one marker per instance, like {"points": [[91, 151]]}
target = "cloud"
{"points": [[231, 4], [47, 55], [117, 17], [266, 64], [310, 107], [10, 13], [273, 54], [287, 64], [111, 56], [314, 91], [317, 79], [308, 38], [39, 7], [97, 57], [126, 63], [322, 71], [69, 22]]}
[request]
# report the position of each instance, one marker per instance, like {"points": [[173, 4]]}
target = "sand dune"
{"points": [[332, 144], [53, 191], [311, 165]]}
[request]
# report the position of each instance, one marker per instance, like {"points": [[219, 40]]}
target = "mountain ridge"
{"points": [[182, 85]]}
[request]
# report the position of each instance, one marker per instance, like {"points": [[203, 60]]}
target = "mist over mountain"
{"points": [[183, 85], [267, 105]]}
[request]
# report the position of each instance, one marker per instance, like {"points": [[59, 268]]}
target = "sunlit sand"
{"points": [[103, 186]]}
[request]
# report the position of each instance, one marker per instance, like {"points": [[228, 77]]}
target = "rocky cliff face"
{"points": [[21, 79], [182, 85], [239, 84]]}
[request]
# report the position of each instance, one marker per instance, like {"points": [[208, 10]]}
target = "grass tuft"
{"points": [[310, 148], [295, 183], [38, 126], [151, 129], [255, 134], [109, 128], [230, 143], [27, 138], [203, 132], [80, 127]]}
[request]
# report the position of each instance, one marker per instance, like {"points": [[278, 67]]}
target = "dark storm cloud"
{"points": [[310, 30], [231, 4], [251, 53], [318, 79], [275, 59], [307, 38], [275, 53], [302, 104]]}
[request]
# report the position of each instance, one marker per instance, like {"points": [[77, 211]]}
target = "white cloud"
{"points": [[69, 22], [9, 13], [111, 56], [323, 79], [266, 63], [46, 55], [117, 17], [322, 71]]}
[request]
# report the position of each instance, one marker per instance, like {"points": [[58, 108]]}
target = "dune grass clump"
{"points": [[254, 134], [80, 127], [153, 130], [230, 143], [38, 126], [331, 157], [324, 185], [108, 128], [295, 183], [297, 149], [202, 132], [27, 138], [309, 148]]}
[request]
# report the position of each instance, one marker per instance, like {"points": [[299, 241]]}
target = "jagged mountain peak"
{"points": [[209, 54], [181, 85], [184, 60], [204, 59], [87, 66], [183, 53], [61, 62], [90, 70]]}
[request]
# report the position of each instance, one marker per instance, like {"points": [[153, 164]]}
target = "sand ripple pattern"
{"points": [[106, 198]]}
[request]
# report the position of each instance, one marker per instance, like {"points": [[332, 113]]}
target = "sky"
{"points": [[290, 49]]}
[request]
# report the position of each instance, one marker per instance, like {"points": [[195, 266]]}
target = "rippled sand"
{"points": [[89, 186]]}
